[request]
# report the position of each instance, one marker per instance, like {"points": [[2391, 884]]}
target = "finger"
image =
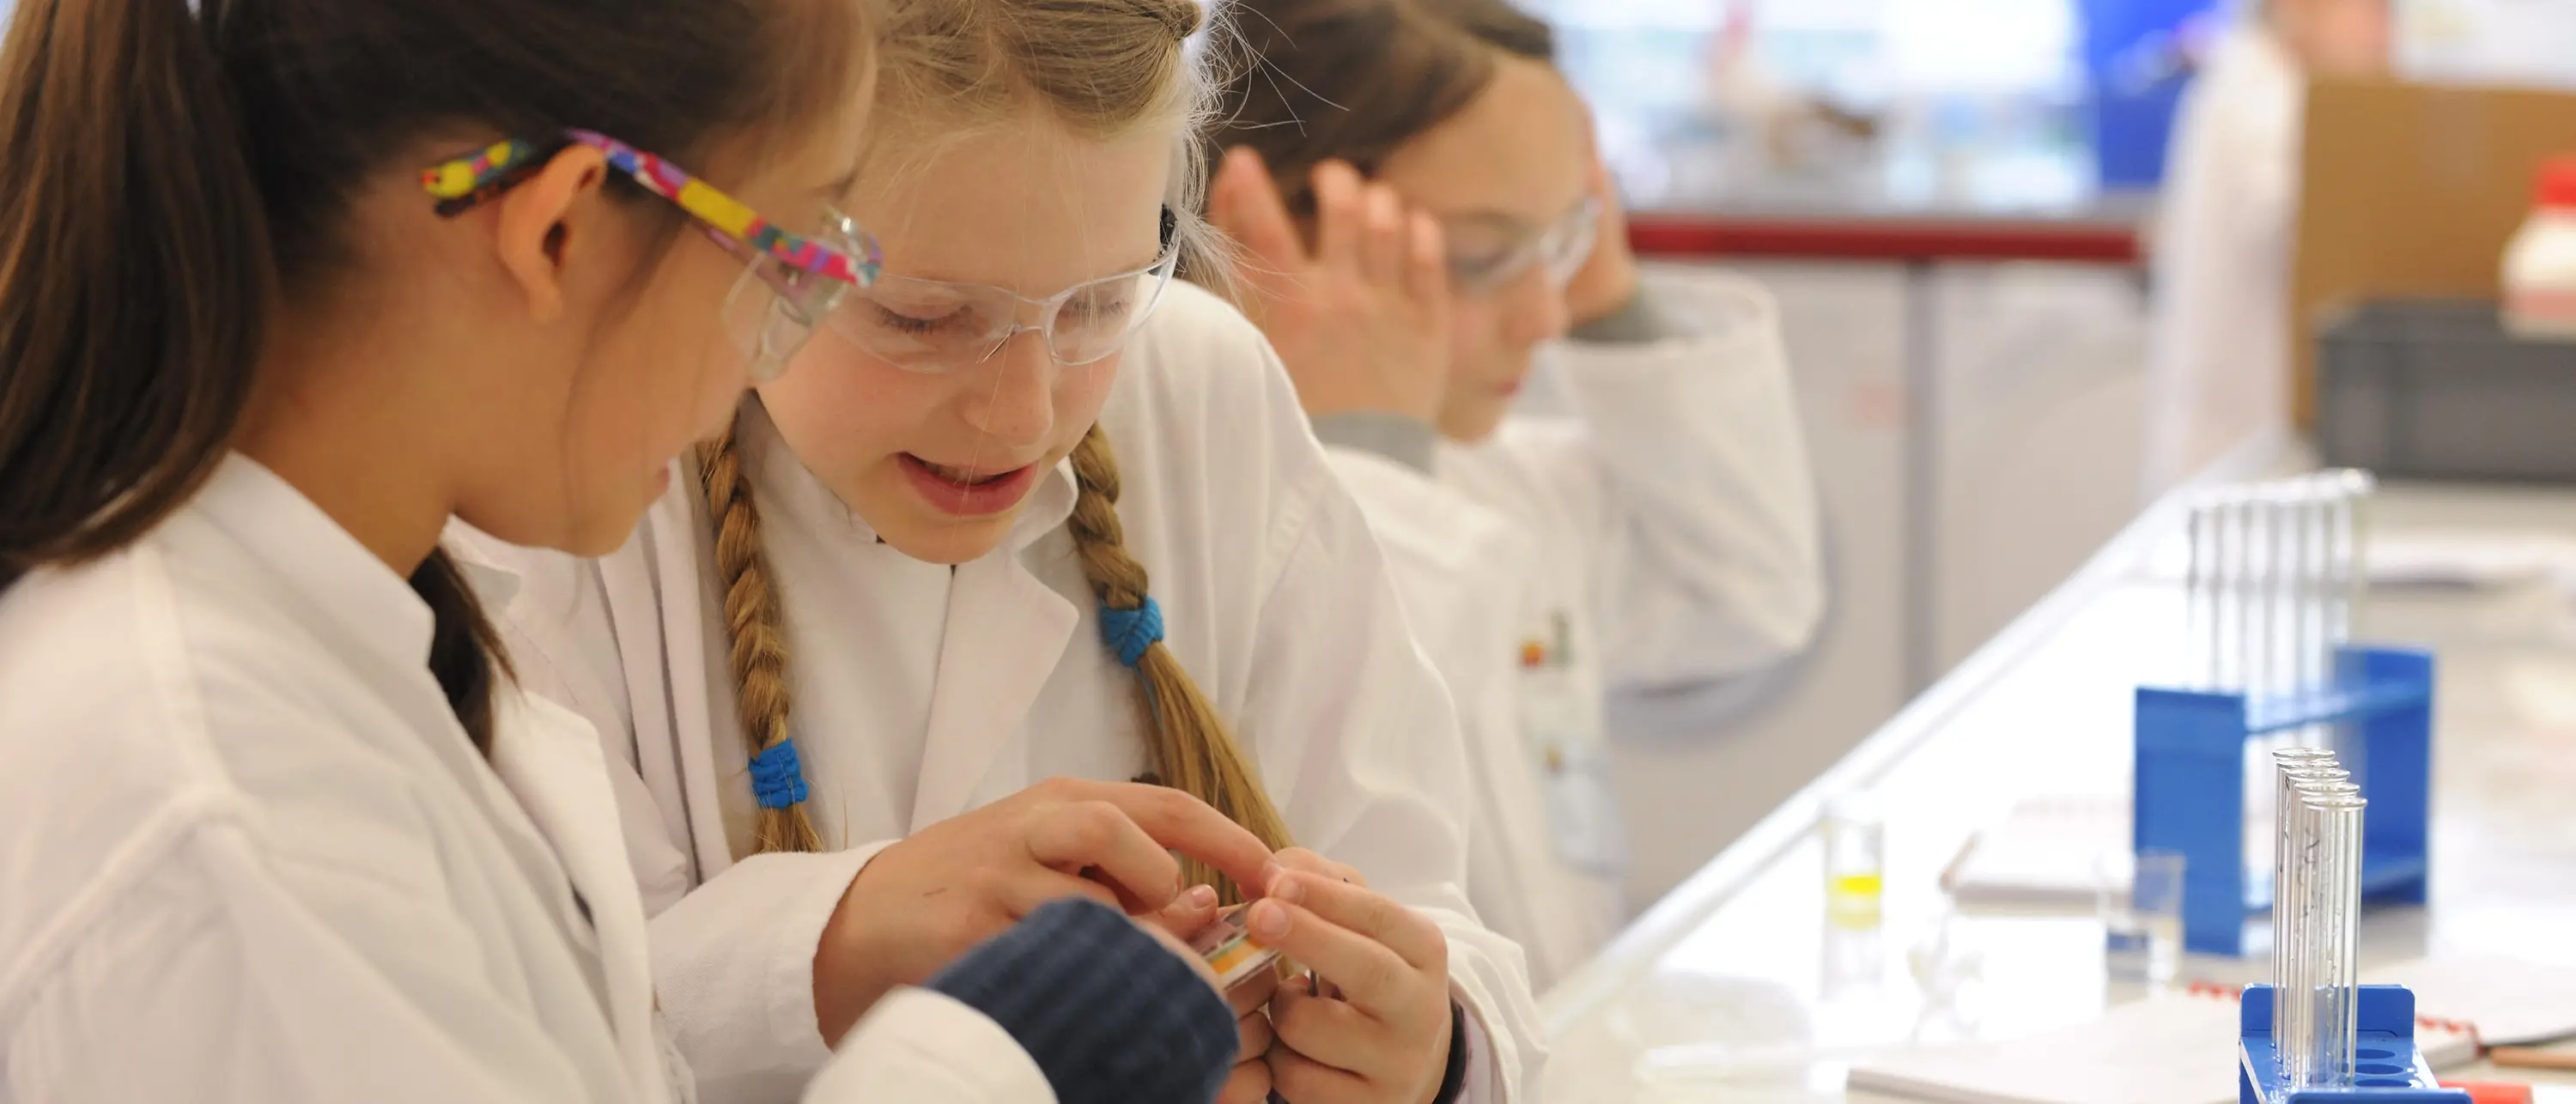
{"points": [[1182, 823], [1253, 992], [1339, 216], [1251, 212], [1098, 836], [1036, 889], [1300, 1079], [1182, 948], [1248, 1084], [1426, 264], [1188, 914], [1368, 914], [1252, 1033], [1382, 245], [1613, 225], [1372, 976], [1299, 858], [1333, 1032]]}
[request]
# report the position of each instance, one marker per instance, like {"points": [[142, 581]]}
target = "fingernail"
{"points": [[1287, 888], [1269, 921], [1201, 897], [1271, 872]]}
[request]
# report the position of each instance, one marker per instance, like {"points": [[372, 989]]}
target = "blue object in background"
{"points": [[2133, 71], [2191, 779]]}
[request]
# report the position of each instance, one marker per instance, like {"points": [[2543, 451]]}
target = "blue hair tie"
{"points": [[776, 778], [1130, 632]]}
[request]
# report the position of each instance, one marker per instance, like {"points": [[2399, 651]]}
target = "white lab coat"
{"points": [[2219, 349], [1665, 534], [924, 693], [252, 857], [918, 1046]]}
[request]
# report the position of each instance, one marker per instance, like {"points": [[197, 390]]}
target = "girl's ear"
{"points": [[535, 234]]}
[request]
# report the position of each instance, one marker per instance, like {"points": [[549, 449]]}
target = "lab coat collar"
{"points": [[495, 585], [1050, 504], [1005, 627], [552, 764], [356, 593], [787, 485], [1006, 630]]}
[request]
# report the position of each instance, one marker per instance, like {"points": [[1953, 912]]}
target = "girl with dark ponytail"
{"points": [[284, 286]]}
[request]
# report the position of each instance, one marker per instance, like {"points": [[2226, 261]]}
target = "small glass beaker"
{"points": [[2139, 899]]}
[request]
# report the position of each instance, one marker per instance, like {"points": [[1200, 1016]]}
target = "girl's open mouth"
{"points": [[965, 491]]}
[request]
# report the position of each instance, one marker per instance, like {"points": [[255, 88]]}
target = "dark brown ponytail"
{"points": [[169, 172], [1354, 80], [134, 265]]}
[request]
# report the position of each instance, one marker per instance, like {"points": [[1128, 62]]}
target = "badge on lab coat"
{"points": [[1561, 719]]}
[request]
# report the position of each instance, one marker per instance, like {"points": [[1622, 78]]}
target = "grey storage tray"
{"points": [[2437, 389]]}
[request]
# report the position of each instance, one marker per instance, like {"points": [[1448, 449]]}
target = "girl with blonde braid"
{"points": [[915, 648]]}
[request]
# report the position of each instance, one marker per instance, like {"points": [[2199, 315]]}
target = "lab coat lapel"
{"points": [[1006, 629], [674, 528], [627, 579], [551, 761]]}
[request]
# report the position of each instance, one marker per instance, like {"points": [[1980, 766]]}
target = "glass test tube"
{"points": [[2200, 661], [2262, 676], [2338, 817], [1855, 839], [2289, 925], [2294, 764], [2311, 1015], [2309, 592], [2353, 520], [2322, 577], [2227, 623], [2297, 945]]}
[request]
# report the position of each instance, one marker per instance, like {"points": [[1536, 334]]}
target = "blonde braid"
{"points": [[1188, 744], [756, 633]]}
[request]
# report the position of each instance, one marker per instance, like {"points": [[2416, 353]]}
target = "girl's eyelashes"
{"points": [[1090, 310], [1475, 267], [901, 322], [904, 323]]}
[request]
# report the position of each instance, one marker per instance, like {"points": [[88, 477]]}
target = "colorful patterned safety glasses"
{"points": [[464, 182]]}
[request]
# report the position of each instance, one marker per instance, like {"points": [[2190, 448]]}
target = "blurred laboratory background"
{"points": [[1961, 205], [2089, 303]]}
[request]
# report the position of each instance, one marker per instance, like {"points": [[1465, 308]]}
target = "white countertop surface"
{"points": [[1735, 988]]}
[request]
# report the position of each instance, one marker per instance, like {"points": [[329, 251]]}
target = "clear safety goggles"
{"points": [[1485, 258], [801, 275], [773, 308], [936, 325]]}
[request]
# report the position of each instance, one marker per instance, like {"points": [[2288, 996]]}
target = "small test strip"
{"points": [[1229, 949]]}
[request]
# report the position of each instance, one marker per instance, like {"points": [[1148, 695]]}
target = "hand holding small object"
{"points": [[1250, 1083], [1381, 1033], [929, 898]]}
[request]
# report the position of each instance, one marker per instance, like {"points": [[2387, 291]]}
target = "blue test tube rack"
{"points": [[2390, 1068], [2191, 780]]}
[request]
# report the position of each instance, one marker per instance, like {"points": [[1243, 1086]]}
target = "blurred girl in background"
{"points": [[2219, 354], [1424, 219]]}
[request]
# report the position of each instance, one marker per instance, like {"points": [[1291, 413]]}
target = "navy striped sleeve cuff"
{"points": [[1109, 1014]]}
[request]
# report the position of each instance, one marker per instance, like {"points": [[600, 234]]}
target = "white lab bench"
{"points": [[1734, 987]]}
